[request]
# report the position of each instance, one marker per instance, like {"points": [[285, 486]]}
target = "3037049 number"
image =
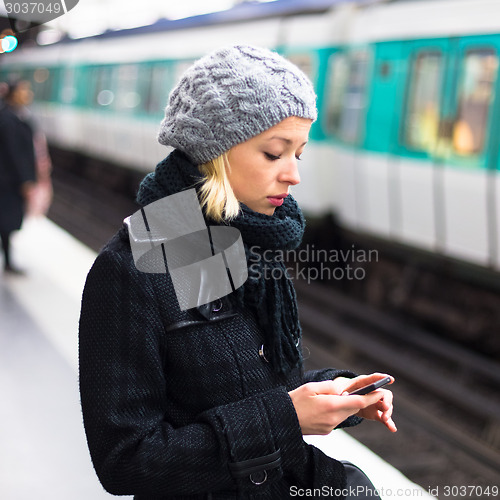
{"points": [[33, 8], [464, 491]]}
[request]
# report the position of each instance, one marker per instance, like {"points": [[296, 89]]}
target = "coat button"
{"points": [[260, 478], [217, 306], [262, 354]]}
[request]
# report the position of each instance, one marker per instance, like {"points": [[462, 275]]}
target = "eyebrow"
{"points": [[284, 139]]}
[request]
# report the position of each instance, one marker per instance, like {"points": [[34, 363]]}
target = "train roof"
{"points": [[242, 12]]}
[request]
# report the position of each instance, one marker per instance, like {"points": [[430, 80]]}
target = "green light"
{"points": [[9, 43]]}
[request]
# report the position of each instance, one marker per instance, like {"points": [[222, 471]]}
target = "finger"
{"points": [[387, 412], [351, 405], [385, 401], [391, 425], [364, 402], [384, 409], [388, 422]]}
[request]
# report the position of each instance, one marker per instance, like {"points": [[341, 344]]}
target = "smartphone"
{"points": [[371, 387]]}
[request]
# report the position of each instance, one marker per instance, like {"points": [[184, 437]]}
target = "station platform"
{"points": [[44, 454]]}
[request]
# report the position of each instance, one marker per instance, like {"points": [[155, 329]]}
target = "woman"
{"points": [[211, 402], [17, 163]]}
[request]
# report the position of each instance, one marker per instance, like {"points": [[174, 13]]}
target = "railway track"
{"points": [[447, 399], [88, 210]]}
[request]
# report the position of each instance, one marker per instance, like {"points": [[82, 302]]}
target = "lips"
{"points": [[277, 200]]}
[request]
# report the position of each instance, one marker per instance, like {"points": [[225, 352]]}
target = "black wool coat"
{"points": [[179, 404], [17, 166]]}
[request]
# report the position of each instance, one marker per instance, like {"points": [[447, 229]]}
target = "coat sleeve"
{"points": [[133, 448]]}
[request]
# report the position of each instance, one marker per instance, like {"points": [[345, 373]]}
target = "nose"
{"points": [[290, 172]]}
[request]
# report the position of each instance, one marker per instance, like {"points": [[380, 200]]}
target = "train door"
{"points": [[419, 170], [445, 146], [335, 69], [344, 104], [468, 150], [381, 167]]}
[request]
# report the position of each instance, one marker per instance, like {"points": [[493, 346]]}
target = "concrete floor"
{"points": [[43, 451]]}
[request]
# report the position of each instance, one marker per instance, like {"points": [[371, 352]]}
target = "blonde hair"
{"points": [[217, 195]]}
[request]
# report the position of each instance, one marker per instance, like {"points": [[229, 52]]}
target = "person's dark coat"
{"points": [[17, 166], [180, 404]]}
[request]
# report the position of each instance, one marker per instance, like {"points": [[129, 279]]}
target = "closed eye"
{"points": [[272, 157]]}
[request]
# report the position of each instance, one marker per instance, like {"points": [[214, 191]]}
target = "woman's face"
{"points": [[263, 168]]}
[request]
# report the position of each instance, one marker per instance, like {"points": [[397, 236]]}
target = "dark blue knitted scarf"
{"points": [[268, 290]]}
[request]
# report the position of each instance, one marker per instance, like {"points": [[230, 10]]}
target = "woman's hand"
{"points": [[322, 406], [382, 409]]}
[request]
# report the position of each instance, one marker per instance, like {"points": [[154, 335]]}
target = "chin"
{"points": [[266, 210]]}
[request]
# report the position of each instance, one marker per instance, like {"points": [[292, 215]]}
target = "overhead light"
{"points": [[8, 43]]}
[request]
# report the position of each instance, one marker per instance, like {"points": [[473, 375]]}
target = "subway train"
{"points": [[406, 146]]}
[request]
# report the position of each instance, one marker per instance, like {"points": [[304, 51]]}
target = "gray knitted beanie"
{"points": [[230, 96]]}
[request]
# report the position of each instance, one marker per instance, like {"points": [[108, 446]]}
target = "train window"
{"points": [[348, 78], [126, 98], [422, 116], [306, 63], [354, 98], [41, 84], [49, 84], [476, 93], [158, 87], [102, 94], [68, 93], [337, 77]]}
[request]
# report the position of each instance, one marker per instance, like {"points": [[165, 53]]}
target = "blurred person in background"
{"points": [[40, 196], [25, 165]]}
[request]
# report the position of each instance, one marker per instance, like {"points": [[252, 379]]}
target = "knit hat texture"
{"points": [[230, 96]]}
